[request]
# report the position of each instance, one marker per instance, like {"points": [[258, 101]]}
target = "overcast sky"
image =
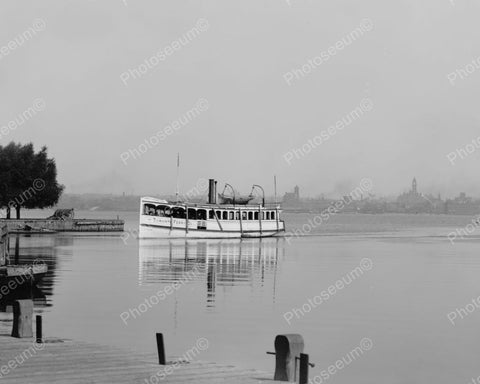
{"points": [[238, 64]]}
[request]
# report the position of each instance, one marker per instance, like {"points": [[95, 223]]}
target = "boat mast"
{"points": [[275, 187], [178, 171]]}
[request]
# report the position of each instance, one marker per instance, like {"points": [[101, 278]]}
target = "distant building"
{"points": [[413, 201], [292, 198], [463, 205]]}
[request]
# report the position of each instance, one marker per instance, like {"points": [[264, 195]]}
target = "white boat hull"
{"points": [[158, 232]]}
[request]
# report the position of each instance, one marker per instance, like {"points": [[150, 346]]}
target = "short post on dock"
{"points": [[38, 323], [303, 374], [161, 349], [287, 350]]}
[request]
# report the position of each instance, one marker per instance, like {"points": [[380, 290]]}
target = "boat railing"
{"points": [[272, 206], [226, 206]]}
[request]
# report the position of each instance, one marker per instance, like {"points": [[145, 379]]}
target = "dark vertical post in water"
{"points": [[17, 246], [161, 349], [303, 368], [38, 324]]}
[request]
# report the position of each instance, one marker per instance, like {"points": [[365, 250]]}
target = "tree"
{"points": [[27, 179]]}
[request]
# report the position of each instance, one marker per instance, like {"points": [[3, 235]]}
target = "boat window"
{"points": [[219, 215], [178, 213], [244, 215], [149, 209], [168, 211], [237, 215], [256, 216], [192, 214], [211, 215], [201, 214], [273, 215], [225, 215], [160, 211], [231, 215], [268, 215], [250, 215]]}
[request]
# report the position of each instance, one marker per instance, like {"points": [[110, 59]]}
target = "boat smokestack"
{"points": [[212, 191]]}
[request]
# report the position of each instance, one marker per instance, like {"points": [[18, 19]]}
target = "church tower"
{"points": [[414, 186]]}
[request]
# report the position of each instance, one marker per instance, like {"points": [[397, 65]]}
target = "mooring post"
{"points": [[287, 349], [303, 368], [38, 323], [22, 318], [161, 349]]}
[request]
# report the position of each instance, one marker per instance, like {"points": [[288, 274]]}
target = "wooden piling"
{"points": [[38, 324], [287, 349], [303, 368], [22, 318], [161, 349]]}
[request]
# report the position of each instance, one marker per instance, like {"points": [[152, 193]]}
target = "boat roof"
{"points": [[210, 206], [154, 199]]}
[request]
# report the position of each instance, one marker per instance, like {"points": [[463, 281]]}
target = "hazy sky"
{"points": [[238, 64]]}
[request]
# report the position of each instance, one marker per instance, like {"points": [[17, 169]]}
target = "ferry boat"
{"points": [[232, 217]]}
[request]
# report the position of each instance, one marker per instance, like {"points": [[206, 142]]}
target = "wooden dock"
{"points": [[66, 361], [67, 225]]}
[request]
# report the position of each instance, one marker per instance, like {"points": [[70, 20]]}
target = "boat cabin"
{"points": [[201, 213]]}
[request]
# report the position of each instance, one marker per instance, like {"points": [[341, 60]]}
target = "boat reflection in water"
{"points": [[222, 263]]}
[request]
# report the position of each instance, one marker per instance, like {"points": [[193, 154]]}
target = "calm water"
{"points": [[239, 297]]}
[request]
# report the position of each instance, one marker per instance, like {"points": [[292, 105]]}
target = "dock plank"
{"points": [[79, 362]]}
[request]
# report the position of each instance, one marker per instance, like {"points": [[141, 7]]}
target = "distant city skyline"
{"points": [[295, 192], [412, 192]]}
